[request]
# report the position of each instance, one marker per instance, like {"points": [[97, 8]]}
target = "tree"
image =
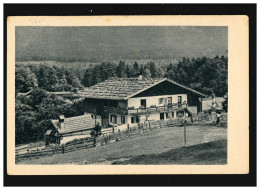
{"points": [[136, 70], [153, 70], [24, 121], [147, 73], [72, 79], [120, 70], [96, 75], [160, 72], [108, 70], [25, 80], [36, 97], [128, 72], [47, 78], [87, 79]]}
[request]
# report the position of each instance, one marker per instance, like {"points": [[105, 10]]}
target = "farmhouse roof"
{"points": [[124, 88], [74, 124]]}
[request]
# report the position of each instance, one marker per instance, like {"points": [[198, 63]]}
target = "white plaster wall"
{"points": [[154, 116], [118, 119], [151, 100], [154, 100], [70, 138]]}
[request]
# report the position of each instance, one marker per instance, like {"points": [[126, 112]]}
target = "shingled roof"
{"points": [[124, 88], [74, 124]]}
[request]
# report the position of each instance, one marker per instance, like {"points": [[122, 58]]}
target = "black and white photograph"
{"points": [[127, 95], [121, 95]]}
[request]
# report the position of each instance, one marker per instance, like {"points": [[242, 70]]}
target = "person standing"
{"points": [[218, 117]]}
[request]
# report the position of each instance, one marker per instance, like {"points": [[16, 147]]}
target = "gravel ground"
{"points": [[152, 142]]}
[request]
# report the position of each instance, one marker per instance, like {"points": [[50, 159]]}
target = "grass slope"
{"points": [[164, 146], [202, 154]]}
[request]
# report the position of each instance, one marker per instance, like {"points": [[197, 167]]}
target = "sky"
{"points": [[121, 42]]}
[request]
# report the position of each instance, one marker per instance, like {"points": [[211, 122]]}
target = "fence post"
{"points": [[95, 141], [128, 128], [185, 132], [63, 148]]}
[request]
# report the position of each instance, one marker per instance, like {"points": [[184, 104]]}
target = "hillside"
{"points": [[97, 44]]}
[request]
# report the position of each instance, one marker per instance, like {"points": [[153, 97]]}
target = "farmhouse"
{"points": [[67, 129], [122, 101]]}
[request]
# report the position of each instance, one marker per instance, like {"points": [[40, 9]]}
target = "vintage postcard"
{"points": [[127, 95]]}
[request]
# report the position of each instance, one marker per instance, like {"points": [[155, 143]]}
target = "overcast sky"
{"points": [[113, 43]]}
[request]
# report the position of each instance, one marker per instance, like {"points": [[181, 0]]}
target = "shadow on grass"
{"points": [[211, 153]]}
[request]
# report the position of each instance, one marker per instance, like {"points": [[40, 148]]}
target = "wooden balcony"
{"points": [[125, 111]]}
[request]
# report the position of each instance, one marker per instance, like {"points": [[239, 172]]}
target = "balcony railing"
{"points": [[125, 111]]}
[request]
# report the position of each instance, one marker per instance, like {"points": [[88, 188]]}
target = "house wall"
{"points": [[154, 100], [151, 100], [119, 122], [70, 138], [153, 116], [76, 135]]}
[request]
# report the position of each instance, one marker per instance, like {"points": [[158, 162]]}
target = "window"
{"points": [[167, 115], [172, 114], [169, 99], [122, 119], [113, 118], [162, 100], [143, 103], [132, 119], [135, 119], [179, 99]]}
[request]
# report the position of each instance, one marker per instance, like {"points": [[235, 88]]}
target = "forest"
{"points": [[35, 107]]}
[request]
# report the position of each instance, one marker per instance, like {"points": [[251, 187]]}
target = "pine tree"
{"points": [[120, 70], [128, 71], [153, 70], [87, 79], [136, 70], [96, 76]]}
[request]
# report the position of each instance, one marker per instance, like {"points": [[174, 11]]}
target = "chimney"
{"points": [[61, 121], [140, 77]]}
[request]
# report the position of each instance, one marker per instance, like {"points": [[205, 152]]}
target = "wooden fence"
{"points": [[111, 135]]}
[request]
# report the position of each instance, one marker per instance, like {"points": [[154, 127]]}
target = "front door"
{"points": [[161, 116]]}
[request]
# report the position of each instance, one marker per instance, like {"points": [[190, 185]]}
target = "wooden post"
{"points": [[185, 132], [95, 141], [63, 148]]}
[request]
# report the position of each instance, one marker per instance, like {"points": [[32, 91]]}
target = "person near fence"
{"points": [[93, 134], [218, 118]]}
